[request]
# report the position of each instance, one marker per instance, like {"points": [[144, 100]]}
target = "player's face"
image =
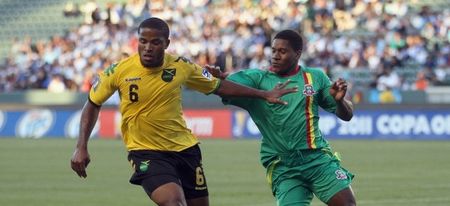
{"points": [[284, 58], [152, 45]]}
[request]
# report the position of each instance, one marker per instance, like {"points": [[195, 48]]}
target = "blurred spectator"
{"points": [[421, 81], [88, 9], [71, 10], [353, 35], [56, 84], [388, 80]]}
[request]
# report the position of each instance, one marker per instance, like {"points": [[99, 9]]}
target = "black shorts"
{"points": [[155, 168]]}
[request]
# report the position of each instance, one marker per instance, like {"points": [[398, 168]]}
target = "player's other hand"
{"points": [[273, 96], [216, 72], [338, 89], [79, 162]]}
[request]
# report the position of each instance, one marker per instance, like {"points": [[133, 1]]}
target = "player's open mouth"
{"points": [[147, 57]]}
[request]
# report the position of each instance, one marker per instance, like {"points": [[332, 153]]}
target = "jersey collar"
{"points": [[290, 73], [164, 65]]}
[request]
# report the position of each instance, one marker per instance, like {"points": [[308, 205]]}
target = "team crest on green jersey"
{"points": [[308, 90], [168, 74]]}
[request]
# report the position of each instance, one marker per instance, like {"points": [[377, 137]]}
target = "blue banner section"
{"points": [[367, 124], [37, 123]]}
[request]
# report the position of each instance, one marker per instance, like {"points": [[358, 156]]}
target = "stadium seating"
{"points": [[44, 19], [38, 19]]}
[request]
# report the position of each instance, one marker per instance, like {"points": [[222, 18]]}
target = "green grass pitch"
{"points": [[37, 173]]}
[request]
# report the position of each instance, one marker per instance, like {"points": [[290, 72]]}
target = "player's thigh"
{"points": [[344, 197], [292, 191], [152, 169], [201, 201], [167, 194], [192, 176], [328, 179]]}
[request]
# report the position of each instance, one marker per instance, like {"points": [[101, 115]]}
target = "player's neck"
{"points": [[292, 71]]}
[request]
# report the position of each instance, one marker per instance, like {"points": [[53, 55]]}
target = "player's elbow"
{"points": [[346, 117]]}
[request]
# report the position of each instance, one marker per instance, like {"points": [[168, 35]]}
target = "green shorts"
{"points": [[296, 176]]}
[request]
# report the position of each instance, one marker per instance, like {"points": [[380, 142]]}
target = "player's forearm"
{"points": [[228, 88], [88, 119], [344, 110]]}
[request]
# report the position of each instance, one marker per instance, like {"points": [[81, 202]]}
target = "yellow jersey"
{"points": [[150, 100]]}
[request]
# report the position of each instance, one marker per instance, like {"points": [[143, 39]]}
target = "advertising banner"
{"points": [[226, 124], [209, 123], [38, 123], [203, 123], [368, 124]]}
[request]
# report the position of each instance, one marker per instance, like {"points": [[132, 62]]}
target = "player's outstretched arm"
{"points": [[80, 158], [344, 108], [228, 88], [216, 72]]}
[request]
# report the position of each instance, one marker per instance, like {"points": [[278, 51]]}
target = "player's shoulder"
{"points": [[253, 72], [121, 65], [129, 61], [178, 60], [247, 75]]}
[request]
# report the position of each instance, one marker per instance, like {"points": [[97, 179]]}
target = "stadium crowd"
{"points": [[366, 35]]}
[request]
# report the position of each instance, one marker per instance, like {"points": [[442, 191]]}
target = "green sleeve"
{"points": [[244, 78], [326, 101]]}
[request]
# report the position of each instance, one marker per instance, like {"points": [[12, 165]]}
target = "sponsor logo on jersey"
{"points": [[340, 175], [35, 123], [72, 127], [206, 74], [308, 90], [168, 74], [132, 79]]}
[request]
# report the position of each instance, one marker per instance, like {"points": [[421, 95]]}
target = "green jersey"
{"points": [[292, 127]]}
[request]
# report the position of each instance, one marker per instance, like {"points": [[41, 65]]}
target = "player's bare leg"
{"points": [[170, 194], [344, 197], [201, 201]]}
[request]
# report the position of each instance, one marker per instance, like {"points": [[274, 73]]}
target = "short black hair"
{"points": [[294, 38], [155, 23]]}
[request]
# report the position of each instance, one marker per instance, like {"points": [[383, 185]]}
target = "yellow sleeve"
{"points": [[104, 85], [201, 80]]}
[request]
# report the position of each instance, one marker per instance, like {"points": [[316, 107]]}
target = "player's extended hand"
{"points": [[338, 89], [79, 162], [216, 72], [279, 91]]}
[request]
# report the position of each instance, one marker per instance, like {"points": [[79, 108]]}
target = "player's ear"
{"points": [[167, 43], [298, 53]]}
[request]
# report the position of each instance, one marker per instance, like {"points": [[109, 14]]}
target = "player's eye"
{"points": [[142, 41], [156, 42]]}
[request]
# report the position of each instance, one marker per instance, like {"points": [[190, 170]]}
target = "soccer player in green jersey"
{"points": [[298, 159], [161, 149]]}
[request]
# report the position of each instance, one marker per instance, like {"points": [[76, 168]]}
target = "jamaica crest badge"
{"points": [[308, 90], [168, 74]]}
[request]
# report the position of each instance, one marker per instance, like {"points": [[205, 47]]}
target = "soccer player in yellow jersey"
{"points": [[162, 150]]}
